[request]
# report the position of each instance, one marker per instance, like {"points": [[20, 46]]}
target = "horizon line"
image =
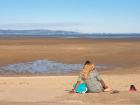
{"points": [[73, 31]]}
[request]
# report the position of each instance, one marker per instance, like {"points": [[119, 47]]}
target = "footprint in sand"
{"points": [[23, 83], [76, 102]]}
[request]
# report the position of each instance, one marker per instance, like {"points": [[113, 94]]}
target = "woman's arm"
{"points": [[101, 80], [77, 84], [105, 87], [103, 84]]}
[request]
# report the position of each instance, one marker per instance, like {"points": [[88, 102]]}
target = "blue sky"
{"points": [[109, 16]]}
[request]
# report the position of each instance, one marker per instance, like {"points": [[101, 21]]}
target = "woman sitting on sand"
{"points": [[91, 78]]}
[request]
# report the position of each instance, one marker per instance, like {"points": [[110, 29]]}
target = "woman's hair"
{"points": [[86, 70], [87, 62]]}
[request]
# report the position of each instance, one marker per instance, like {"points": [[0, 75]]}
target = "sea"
{"points": [[94, 36]]}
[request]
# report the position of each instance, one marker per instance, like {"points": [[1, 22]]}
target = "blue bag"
{"points": [[82, 88]]}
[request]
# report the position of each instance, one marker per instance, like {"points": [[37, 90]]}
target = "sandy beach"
{"points": [[51, 91], [123, 54]]}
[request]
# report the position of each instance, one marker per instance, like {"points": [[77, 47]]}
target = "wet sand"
{"points": [[120, 52]]}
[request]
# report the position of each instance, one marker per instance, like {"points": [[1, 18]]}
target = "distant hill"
{"points": [[36, 32], [64, 34]]}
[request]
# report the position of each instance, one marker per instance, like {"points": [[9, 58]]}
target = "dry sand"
{"points": [[49, 90]]}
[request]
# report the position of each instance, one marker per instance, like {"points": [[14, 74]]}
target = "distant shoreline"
{"points": [[104, 37], [38, 33]]}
